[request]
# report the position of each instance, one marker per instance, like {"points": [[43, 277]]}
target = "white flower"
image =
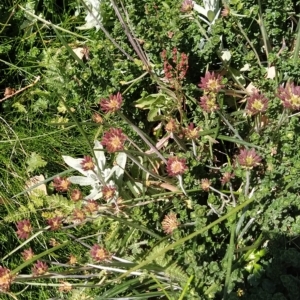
{"points": [[93, 17], [110, 176]]}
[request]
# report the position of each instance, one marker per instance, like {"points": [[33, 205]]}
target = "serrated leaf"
{"points": [[34, 162]]}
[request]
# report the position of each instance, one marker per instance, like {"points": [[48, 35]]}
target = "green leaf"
{"points": [[34, 162]]}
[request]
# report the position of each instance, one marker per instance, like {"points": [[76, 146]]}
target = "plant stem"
{"points": [[229, 254]]}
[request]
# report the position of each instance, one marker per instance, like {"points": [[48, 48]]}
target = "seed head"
{"points": [[205, 184], [55, 223], [108, 192], [170, 223], [191, 132], [91, 206]]}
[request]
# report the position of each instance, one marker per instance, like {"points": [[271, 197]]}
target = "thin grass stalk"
{"points": [[230, 254]]}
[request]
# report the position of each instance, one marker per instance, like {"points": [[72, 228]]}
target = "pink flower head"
{"points": [[211, 83], [227, 176], [171, 126], [114, 140], [55, 223], [170, 223], [191, 132], [256, 103], [248, 159], [112, 104], [91, 206], [187, 6], [27, 254], [61, 184], [39, 268], [99, 253], [87, 163], [78, 215], [24, 229], [176, 166], [6, 279], [76, 195], [209, 103], [290, 96], [108, 192]]}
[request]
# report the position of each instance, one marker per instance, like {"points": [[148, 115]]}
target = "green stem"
{"points": [[229, 254]]}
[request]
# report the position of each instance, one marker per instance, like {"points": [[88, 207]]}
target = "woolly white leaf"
{"points": [[81, 180], [100, 156]]}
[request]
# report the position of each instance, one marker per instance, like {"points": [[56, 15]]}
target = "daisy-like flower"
{"points": [[114, 140], [171, 126], [176, 166], [205, 184], [108, 192], [101, 176], [24, 229], [55, 223], [209, 103], [191, 132], [170, 223], [91, 206], [61, 184], [87, 163], [39, 268], [27, 254], [99, 253], [78, 215], [187, 6], [248, 159], [256, 103], [290, 96], [112, 104], [5, 279], [76, 195], [211, 83], [227, 176]]}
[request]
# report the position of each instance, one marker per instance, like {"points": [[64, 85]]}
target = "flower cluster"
{"points": [[175, 71], [99, 253], [61, 184], [5, 279], [248, 159], [108, 192], [170, 223], [290, 96], [114, 140], [256, 103], [39, 268], [24, 229], [112, 104], [191, 132], [211, 84], [187, 6], [55, 223], [27, 254], [176, 166], [87, 163]]}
